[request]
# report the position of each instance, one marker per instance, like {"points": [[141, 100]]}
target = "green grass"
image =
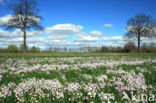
{"points": [[77, 75], [144, 55]]}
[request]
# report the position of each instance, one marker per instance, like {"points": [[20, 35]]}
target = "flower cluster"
{"points": [[106, 97], [38, 89], [102, 78], [73, 90], [91, 89], [17, 65], [6, 91], [130, 81], [53, 79]]}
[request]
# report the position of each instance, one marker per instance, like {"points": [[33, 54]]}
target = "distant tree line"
{"points": [[20, 49], [129, 47]]}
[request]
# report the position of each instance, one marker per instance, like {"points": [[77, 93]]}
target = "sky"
{"points": [[74, 23]]}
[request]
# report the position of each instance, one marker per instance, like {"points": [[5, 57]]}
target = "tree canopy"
{"points": [[24, 17], [139, 26]]}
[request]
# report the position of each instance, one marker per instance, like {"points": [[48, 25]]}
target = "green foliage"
{"points": [[34, 50], [12, 48], [129, 47], [21, 48]]}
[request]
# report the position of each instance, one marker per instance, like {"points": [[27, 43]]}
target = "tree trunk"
{"points": [[25, 48], [138, 43]]}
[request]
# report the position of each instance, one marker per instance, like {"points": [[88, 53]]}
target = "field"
{"points": [[77, 78]]}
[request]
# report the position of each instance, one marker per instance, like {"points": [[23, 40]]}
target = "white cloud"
{"points": [[133, 29], [50, 41], [83, 37], [113, 41], [108, 25], [5, 19], [80, 39], [33, 17], [96, 33], [63, 29], [117, 38], [18, 33], [93, 38], [57, 39]]}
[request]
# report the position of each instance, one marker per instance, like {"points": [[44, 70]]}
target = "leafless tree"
{"points": [[139, 26], [25, 17]]}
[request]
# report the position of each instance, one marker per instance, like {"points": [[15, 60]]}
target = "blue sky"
{"points": [[92, 15]]}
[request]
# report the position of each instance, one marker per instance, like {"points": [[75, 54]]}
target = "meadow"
{"points": [[77, 78]]}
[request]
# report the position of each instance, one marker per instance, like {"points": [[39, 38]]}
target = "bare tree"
{"points": [[25, 17], [139, 26]]}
